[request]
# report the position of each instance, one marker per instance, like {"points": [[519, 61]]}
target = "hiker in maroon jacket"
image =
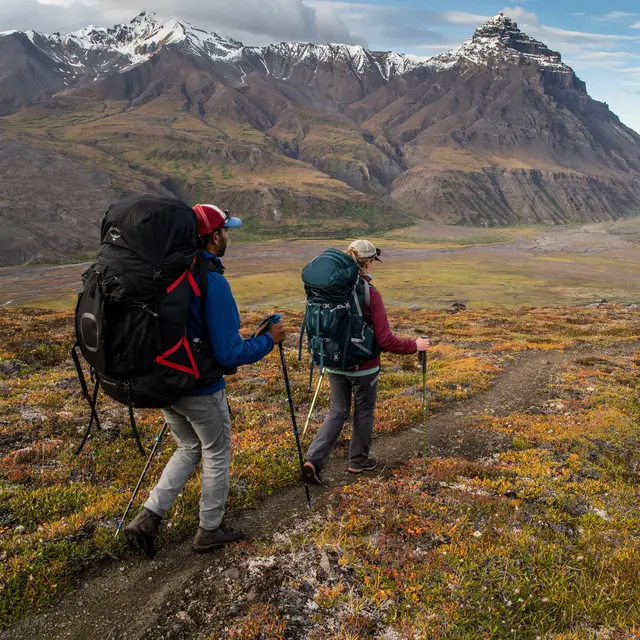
{"points": [[361, 383]]}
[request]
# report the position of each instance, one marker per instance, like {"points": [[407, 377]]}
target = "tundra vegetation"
{"points": [[539, 539]]}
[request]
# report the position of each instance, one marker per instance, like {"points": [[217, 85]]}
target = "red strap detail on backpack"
{"points": [[171, 287], [192, 281], [187, 348], [162, 359]]}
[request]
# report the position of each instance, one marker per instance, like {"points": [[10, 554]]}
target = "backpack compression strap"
{"points": [[201, 292], [162, 359], [189, 276]]}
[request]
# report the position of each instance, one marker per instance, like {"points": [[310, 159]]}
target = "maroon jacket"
{"points": [[377, 318]]}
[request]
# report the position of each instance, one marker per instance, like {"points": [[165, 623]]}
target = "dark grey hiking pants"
{"points": [[364, 390]]}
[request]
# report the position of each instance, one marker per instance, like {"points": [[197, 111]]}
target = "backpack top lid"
{"points": [[331, 276], [152, 226]]}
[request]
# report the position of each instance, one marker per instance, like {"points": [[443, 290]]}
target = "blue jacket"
{"points": [[223, 323]]}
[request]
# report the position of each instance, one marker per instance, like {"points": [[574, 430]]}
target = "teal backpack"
{"points": [[338, 335]]}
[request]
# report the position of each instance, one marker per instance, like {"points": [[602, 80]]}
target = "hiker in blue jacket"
{"points": [[200, 422]]}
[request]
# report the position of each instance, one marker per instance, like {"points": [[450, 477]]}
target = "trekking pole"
{"points": [[263, 327], [144, 473], [423, 361], [313, 404], [296, 433]]}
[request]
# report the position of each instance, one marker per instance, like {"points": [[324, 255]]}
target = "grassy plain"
{"points": [[426, 266]]}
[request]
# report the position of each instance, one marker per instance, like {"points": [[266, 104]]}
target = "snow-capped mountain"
{"points": [[496, 131], [137, 41], [92, 54]]}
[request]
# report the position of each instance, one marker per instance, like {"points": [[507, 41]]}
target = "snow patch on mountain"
{"points": [[360, 60]]}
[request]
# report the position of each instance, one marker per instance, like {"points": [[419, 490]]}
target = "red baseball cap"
{"points": [[210, 218]]}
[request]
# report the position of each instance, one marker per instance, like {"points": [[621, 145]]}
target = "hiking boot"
{"points": [[142, 531], [206, 541], [369, 465], [310, 473]]}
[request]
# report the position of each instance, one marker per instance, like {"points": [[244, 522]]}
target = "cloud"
{"points": [[612, 16], [615, 16], [585, 37], [408, 28], [254, 21], [562, 39], [600, 60], [261, 21], [636, 25], [400, 29], [462, 17], [607, 55], [30, 14]]}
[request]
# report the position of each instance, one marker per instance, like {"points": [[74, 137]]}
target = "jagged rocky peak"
{"points": [[506, 31], [500, 40], [145, 33], [141, 27], [102, 50]]}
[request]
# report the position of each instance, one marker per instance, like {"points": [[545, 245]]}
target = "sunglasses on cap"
{"points": [[229, 221]]}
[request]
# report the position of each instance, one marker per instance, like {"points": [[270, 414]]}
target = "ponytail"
{"points": [[361, 262]]}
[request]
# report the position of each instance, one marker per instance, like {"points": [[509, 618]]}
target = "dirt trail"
{"points": [[130, 599]]}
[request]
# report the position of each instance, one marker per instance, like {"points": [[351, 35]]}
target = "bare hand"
{"points": [[423, 344], [278, 333]]}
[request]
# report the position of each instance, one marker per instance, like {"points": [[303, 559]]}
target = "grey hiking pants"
{"points": [[364, 390], [201, 426]]}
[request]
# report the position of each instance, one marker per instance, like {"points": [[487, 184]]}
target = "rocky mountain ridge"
{"points": [[92, 54], [311, 139]]}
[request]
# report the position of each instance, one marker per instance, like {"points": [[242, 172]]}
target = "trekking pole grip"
{"points": [[422, 355]]}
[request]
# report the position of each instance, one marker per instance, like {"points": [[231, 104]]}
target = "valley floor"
{"points": [[426, 266], [521, 521]]}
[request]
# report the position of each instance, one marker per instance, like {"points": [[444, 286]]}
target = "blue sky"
{"points": [[600, 40]]}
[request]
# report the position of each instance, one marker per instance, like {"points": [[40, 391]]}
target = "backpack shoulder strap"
{"points": [[356, 295], [203, 267], [204, 288]]}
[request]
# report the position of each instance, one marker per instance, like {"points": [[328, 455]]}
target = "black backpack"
{"points": [[132, 314], [338, 335]]}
